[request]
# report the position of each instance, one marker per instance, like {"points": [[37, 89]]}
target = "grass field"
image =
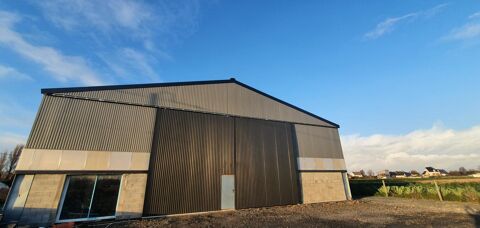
{"points": [[452, 189]]}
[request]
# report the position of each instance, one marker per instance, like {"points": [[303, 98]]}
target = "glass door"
{"points": [[88, 197]]}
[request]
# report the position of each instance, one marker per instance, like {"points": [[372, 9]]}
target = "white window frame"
{"points": [[64, 192]]}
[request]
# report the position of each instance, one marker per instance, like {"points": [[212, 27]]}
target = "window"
{"points": [[89, 196]]}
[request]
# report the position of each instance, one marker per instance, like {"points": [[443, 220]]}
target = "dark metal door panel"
{"points": [[191, 153], [265, 164]]}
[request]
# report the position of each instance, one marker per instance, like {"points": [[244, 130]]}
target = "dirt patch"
{"points": [[370, 212]]}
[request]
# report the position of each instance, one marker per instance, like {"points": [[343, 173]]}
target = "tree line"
{"points": [[8, 163]]}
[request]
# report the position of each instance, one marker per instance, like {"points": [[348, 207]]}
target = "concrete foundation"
{"points": [[132, 194], [322, 187], [42, 200]]}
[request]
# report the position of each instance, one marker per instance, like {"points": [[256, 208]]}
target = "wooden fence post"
{"points": [[438, 191], [385, 188]]}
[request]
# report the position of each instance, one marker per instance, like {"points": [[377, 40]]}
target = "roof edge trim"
{"points": [[131, 86]]}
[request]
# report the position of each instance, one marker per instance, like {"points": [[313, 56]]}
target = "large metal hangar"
{"points": [[116, 152]]}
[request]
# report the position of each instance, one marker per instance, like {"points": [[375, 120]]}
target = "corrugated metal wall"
{"points": [[226, 98], [265, 164], [74, 124], [318, 142], [193, 151]]}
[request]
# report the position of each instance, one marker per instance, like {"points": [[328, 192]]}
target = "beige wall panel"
{"points": [[42, 201], [82, 160], [46, 160], [339, 164], [322, 187], [120, 160], [318, 142], [313, 164], [73, 160], [26, 159], [132, 194], [98, 160], [140, 161]]}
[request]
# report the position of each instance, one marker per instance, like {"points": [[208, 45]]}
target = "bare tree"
{"points": [[362, 172], [12, 161], [3, 163], [462, 170]]}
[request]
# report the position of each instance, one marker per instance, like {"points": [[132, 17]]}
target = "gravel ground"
{"points": [[366, 212]]}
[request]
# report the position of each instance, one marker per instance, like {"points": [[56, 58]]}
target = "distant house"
{"points": [[432, 172], [414, 173], [402, 174], [383, 174], [443, 172], [355, 175], [393, 174], [475, 175]]}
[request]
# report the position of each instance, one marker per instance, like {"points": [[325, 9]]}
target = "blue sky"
{"points": [[385, 71]]}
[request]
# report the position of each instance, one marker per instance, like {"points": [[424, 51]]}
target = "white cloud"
{"points": [[474, 15], [9, 72], [104, 15], [130, 35], [135, 19], [467, 31], [133, 64], [14, 115], [438, 147], [10, 140], [388, 25], [63, 68]]}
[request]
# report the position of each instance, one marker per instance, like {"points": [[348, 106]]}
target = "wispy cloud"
{"points": [[388, 25], [10, 140], [474, 15], [130, 63], [14, 115], [105, 15], [15, 121], [439, 147], [139, 31], [9, 72], [63, 68], [134, 19], [469, 30]]}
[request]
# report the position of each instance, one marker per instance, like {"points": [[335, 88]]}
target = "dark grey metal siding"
{"points": [[192, 151], [224, 98], [265, 164], [74, 124], [318, 142]]}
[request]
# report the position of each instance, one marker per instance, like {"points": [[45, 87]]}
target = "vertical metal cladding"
{"points": [[264, 164], [193, 151], [74, 124]]}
